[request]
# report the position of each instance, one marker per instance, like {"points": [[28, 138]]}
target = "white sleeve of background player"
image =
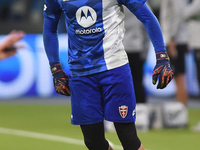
{"points": [[170, 17], [192, 9]]}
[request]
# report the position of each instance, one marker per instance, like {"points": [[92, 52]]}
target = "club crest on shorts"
{"points": [[123, 110]]}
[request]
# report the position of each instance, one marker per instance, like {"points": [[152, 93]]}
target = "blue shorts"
{"points": [[107, 95]]}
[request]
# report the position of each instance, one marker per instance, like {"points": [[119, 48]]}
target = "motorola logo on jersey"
{"points": [[86, 17], [88, 31]]}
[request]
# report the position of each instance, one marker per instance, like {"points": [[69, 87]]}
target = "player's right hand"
{"points": [[60, 79]]}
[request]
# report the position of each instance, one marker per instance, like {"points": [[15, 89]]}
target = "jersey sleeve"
{"points": [[150, 22], [51, 13], [132, 5], [50, 40], [52, 10]]}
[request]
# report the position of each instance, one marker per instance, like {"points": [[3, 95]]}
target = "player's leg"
{"points": [[119, 105], [182, 94], [94, 137], [178, 66], [86, 101], [136, 64], [128, 136]]}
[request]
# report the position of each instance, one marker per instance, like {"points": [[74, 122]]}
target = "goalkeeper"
{"points": [[100, 81]]}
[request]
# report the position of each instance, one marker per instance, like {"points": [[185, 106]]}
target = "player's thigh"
{"points": [[86, 102], [119, 95]]}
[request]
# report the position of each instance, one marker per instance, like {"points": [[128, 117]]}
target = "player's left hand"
{"points": [[60, 79], [162, 70]]}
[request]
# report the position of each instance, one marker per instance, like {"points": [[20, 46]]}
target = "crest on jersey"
{"points": [[123, 110], [86, 16]]}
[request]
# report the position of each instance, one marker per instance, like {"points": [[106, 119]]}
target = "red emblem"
{"points": [[123, 110]]}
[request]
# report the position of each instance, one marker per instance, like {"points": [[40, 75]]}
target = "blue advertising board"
{"points": [[28, 74]]}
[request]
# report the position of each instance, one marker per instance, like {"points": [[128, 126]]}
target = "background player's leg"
{"points": [[94, 136], [178, 65], [197, 61], [128, 136], [136, 64], [181, 94]]}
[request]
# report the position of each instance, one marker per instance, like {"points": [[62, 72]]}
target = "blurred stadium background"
{"points": [[34, 117]]}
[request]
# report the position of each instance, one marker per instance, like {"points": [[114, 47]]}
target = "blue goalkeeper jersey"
{"points": [[95, 33]]}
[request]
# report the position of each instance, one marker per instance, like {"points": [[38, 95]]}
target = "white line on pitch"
{"points": [[46, 137]]}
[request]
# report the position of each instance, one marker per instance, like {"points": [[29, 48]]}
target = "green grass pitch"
{"points": [[48, 127]]}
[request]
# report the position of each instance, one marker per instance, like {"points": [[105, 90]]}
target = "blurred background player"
{"points": [[8, 45], [175, 34], [192, 16]]}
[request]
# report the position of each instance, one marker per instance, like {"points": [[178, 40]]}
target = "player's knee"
{"points": [[93, 144]]}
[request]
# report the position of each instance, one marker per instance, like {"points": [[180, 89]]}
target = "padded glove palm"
{"points": [[162, 70], [60, 79]]}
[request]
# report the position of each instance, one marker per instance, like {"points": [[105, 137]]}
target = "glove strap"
{"points": [[55, 68], [162, 55]]}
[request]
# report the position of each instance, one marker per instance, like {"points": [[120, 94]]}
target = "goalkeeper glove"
{"points": [[60, 79], [162, 70]]}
